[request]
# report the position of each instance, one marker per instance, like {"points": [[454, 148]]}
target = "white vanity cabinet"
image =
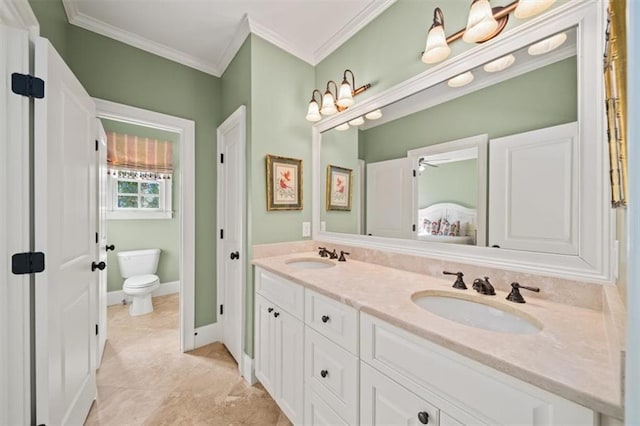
{"points": [[279, 342]]}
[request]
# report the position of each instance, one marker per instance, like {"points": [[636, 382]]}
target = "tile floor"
{"points": [[144, 379]]}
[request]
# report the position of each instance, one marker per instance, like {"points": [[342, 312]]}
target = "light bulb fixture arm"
{"points": [[313, 96], [438, 19], [354, 91], [498, 13], [335, 94]]}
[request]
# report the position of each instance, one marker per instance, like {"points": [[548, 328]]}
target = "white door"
{"points": [[65, 226], [533, 190], [15, 406], [231, 254], [103, 194], [389, 198]]}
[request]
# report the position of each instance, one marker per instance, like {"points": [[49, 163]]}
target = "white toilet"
{"points": [[138, 267]]}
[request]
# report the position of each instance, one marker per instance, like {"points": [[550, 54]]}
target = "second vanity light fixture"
{"points": [[333, 102], [483, 23]]}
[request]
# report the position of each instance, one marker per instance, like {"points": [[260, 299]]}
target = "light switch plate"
{"points": [[323, 226], [306, 229]]}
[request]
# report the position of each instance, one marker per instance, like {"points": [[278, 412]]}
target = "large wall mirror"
{"points": [[495, 156]]}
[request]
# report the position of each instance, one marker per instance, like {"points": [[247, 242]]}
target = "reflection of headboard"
{"points": [[452, 213]]}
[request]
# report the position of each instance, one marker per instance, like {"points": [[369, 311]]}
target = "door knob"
{"points": [[235, 255], [110, 247], [270, 310], [325, 318], [276, 314], [324, 373], [423, 416], [99, 265]]}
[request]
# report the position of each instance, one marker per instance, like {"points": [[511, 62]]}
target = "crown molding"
{"points": [[361, 20], [81, 20], [234, 45], [279, 41]]}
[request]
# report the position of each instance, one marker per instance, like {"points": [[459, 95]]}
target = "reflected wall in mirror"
{"points": [[535, 92]]}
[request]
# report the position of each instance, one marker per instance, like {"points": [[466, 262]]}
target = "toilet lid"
{"points": [[141, 281]]}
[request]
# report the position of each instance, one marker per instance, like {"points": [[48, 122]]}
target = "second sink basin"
{"points": [[476, 314], [310, 263]]}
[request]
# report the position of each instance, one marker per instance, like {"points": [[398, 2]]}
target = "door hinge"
{"points": [[414, 173], [97, 238], [97, 144], [27, 85], [414, 228], [222, 234], [27, 263], [221, 309], [96, 329], [221, 158]]}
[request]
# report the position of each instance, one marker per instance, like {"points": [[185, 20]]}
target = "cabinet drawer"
{"points": [[332, 319], [332, 373], [318, 413], [286, 294], [385, 402], [454, 380]]}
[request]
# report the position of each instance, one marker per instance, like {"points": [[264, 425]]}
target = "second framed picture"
{"points": [[339, 184]]}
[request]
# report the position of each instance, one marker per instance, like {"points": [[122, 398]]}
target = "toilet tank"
{"points": [[138, 262]]}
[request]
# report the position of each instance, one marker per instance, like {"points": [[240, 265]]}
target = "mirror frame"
{"points": [[594, 262]]}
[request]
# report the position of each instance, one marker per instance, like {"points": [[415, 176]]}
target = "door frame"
{"points": [[238, 117], [186, 129]]}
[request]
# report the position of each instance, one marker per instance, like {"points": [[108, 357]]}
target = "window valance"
{"points": [[138, 156]]}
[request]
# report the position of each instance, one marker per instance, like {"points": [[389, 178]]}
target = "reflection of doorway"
{"points": [[126, 118]]}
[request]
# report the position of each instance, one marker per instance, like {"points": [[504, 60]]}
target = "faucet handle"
{"points": [[459, 284], [342, 258], [515, 296], [323, 251]]}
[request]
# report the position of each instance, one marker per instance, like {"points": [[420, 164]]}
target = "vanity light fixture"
{"points": [[342, 127], [373, 115], [334, 101], [483, 24], [461, 80], [357, 122], [547, 45], [500, 64], [437, 48]]}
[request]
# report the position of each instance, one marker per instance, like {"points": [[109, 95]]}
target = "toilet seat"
{"points": [[140, 281]]}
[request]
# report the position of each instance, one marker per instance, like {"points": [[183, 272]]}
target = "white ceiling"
{"points": [[206, 34]]}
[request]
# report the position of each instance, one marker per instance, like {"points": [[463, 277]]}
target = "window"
{"points": [[134, 197]]}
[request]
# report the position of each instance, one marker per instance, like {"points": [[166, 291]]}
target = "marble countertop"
{"points": [[570, 356]]}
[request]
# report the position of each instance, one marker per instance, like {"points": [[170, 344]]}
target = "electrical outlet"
{"points": [[306, 229]]}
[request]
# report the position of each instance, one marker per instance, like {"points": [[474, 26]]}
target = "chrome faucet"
{"points": [[483, 286]]}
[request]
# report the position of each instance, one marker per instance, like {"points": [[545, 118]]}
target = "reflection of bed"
{"points": [[447, 223]]}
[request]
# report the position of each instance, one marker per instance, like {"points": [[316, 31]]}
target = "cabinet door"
{"points": [[318, 413], [265, 343], [533, 190], [289, 340], [385, 402]]}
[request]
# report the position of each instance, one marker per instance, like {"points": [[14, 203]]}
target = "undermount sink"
{"points": [[310, 263], [476, 314]]}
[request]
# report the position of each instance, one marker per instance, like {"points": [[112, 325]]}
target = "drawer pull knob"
{"points": [[423, 416], [324, 373], [276, 314], [325, 319], [270, 310]]}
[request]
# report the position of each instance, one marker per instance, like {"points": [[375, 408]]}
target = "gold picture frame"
{"points": [[284, 183], [339, 188], [615, 79]]}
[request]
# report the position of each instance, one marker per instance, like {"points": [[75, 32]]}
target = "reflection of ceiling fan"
{"points": [[423, 162]]}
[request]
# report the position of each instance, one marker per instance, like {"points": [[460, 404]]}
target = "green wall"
{"points": [[453, 182], [120, 73], [147, 233], [541, 98]]}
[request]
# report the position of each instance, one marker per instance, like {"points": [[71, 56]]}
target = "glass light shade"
{"points": [[313, 113], [345, 99], [342, 127], [437, 48], [461, 80], [357, 121], [328, 105], [481, 22], [529, 8], [500, 64], [374, 115], [547, 45]]}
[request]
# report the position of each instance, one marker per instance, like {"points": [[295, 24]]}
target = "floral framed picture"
{"points": [[339, 184], [284, 183]]}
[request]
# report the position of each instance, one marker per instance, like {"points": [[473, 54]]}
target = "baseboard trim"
{"points": [[171, 287], [247, 370], [206, 334]]}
